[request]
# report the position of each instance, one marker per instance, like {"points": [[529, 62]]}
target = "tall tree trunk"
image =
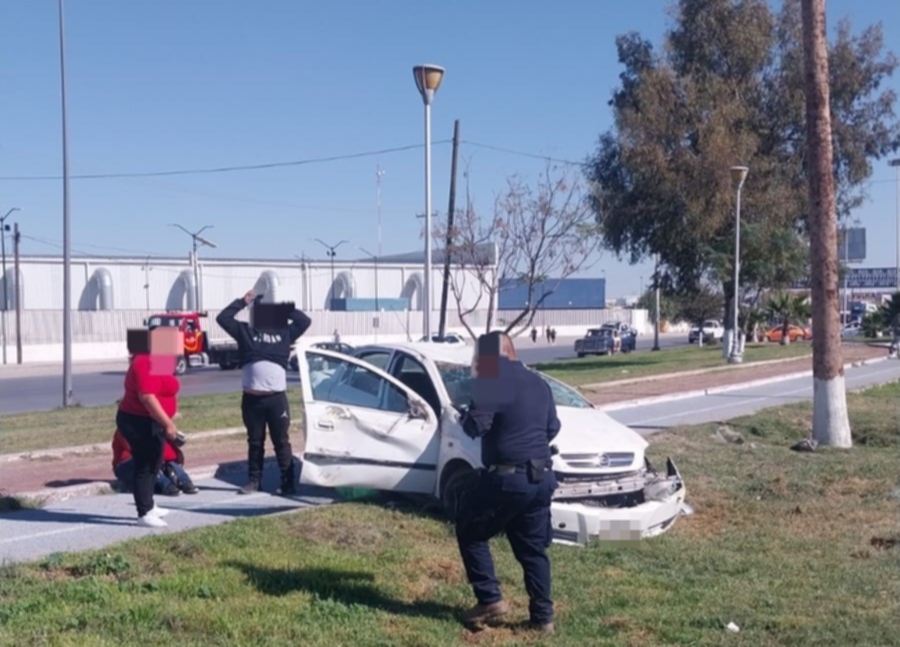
{"points": [[831, 425]]}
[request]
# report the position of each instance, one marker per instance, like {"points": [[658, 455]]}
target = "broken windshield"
{"points": [[458, 380]]}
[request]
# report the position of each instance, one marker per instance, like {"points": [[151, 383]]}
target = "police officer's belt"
{"points": [[507, 469], [538, 465]]}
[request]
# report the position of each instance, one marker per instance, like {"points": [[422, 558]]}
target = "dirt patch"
{"points": [[340, 533]]}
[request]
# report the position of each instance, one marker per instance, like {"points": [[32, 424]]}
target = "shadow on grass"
{"points": [[345, 587]]}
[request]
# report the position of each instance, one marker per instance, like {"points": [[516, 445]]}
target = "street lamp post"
{"points": [[377, 321], [428, 80], [198, 240], [331, 253], [896, 164], [656, 308], [738, 176], [3, 229]]}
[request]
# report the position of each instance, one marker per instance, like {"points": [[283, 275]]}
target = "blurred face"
{"points": [[270, 317], [164, 345]]}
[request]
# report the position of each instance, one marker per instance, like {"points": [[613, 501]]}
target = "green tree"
{"points": [[726, 89], [789, 309]]}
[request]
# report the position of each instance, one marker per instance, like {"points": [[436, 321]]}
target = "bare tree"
{"points": [[537, 236], [831, 424]]}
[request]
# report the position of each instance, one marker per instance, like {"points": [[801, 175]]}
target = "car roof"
{"points": [[436, 352]]}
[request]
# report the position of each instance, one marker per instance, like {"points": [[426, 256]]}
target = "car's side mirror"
{"points": [[417, 410]]}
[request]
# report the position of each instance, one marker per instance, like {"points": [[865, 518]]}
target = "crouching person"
{"points": [[171, 480]]}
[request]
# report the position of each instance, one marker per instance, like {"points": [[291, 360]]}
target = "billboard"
{"points": [[862, 278], [852, 245]]}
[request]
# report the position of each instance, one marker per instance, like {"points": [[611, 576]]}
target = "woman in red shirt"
{"points": [[145, 412]]}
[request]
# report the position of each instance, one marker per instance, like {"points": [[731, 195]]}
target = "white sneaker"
{"points": [[151, 521], [159, 512]]}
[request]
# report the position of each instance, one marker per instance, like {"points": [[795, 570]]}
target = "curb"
{"points": [[97, 488], [599, 386], [673, 397], [102, 447]]}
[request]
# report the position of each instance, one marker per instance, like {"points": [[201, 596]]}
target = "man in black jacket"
{"points": [[514, 414], [264, 348]]}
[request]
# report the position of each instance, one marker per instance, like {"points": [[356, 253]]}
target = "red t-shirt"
{"points": [[139, 380]]}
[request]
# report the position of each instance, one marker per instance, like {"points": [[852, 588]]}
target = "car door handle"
{"points": [[324, 424]]}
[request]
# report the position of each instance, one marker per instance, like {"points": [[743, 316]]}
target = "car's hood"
{"points": [[585, 431]]}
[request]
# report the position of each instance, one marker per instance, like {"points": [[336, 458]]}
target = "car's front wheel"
{"points": [[458, 486]]}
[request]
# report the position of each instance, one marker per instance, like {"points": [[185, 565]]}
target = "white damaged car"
{"points": [[386, 418]]}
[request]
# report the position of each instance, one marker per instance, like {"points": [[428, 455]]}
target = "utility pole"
{"points": [[68, 394], [3, 322], [198, 240], [896, 164], [378, 175], [16, 238], [448, 244], [331, 253], [376, 323]]}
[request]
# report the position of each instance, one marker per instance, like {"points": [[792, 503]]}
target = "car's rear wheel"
{"points": [[457, 488]]}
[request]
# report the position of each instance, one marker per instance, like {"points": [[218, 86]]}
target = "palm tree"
{"points": [[790, 308]]}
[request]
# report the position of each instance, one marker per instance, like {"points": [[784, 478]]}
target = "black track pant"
{"points": [[147, 453], [260, 411]]}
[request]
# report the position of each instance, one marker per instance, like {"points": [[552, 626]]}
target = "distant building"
{"points": [[565, 294]]}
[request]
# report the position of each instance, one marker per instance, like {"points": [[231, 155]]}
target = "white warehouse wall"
{"points": [[156, 284]]}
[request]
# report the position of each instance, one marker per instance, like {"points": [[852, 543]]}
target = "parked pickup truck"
{"points": [[198, 350], [712, 331], [602, 341]]}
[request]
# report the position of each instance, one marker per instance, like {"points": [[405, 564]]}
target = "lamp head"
{"points": [[738, 175], [428, 80]]}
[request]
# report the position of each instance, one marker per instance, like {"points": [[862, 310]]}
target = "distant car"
{"points": [[623, 328], [336, 346], [852, 329], [602, 341], [712, 331], [795, 333], [448, 338]]}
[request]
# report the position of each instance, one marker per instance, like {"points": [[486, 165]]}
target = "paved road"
{"points": [[94, 522], [39, 388], [742, 402]]}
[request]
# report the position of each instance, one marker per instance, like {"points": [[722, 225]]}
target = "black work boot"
{"points": [[288, 483], [485, 613]]}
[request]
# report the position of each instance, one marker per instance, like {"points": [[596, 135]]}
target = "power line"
{"points": [[223, 169], [510, 151]]}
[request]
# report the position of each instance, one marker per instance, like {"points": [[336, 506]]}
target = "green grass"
{"points": [[591, 370], [796, 549], [85, 425]]}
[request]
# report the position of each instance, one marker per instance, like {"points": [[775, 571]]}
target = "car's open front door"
{"points": [[363, 427]]}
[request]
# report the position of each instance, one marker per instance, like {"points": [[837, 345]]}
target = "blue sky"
{"points": [[201, 83]]}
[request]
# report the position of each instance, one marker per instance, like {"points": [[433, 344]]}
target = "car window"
{"points": [[377, 358], [414, 376], [342, 382], [458, 381]]}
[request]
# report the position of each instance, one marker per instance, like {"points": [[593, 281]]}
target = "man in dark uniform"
{"points": [[513, 412]]}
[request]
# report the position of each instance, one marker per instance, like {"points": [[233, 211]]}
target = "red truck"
{"points": [[198, 351]]}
